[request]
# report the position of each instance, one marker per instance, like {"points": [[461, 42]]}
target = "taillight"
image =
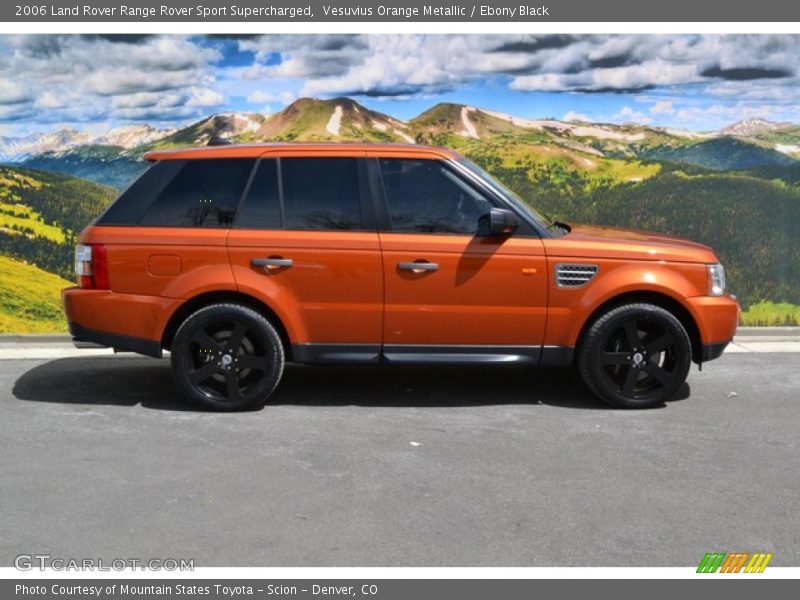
{"points": [[91, 266]]}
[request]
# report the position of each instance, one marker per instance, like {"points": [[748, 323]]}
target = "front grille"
{"points": [[574, 275]]}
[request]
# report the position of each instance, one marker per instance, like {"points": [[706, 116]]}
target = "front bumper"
{"points": [[712, 351], [717, 318]]}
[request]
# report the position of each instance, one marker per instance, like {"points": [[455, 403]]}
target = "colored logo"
{"points": [[735, 562]]}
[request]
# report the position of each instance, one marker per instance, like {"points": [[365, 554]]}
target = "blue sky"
{"points": [[697, 82]]}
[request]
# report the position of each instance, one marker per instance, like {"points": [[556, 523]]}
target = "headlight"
{"points": [[716, 280]]}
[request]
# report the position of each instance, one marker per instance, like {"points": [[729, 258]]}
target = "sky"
{"points": [[695, 82]]}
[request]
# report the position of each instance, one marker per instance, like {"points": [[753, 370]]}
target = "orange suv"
{"points": [[237, 259]]}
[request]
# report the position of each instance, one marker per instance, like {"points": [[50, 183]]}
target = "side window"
{"points": [[204, 193], [261, 207], [320, 193], [424, 196]]}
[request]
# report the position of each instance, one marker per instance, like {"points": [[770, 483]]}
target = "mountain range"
{"points": [[111, 157]]}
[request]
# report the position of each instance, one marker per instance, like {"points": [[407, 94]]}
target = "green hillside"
{"points": [[41, 213], [30, 299], [106, 165], [725, 154]]}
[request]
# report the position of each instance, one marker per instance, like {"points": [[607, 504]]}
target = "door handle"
{"points": [[418, 267], [272, 264]]}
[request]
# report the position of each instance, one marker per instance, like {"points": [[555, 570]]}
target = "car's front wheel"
{"points": [[227, 357], [635, 356]]}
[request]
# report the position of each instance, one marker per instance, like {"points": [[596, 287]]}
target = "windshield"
{"points": [[506, 193]]}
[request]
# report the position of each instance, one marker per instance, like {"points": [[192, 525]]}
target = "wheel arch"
{"points": [[661, 300], [227, 296]]}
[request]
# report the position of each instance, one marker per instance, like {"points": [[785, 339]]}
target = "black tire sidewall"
{"points": [[181, 357], [597, 336]]}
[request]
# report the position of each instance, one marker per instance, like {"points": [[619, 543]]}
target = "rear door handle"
{"points": [[418, 267], [272, 264]]}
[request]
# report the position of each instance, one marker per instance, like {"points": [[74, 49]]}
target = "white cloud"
{"points": [[575, 116], [259, 96], [86, 78], [200, 96], [51, 99], [13, 92], [629, 115], [662, 107], [402, 65]]}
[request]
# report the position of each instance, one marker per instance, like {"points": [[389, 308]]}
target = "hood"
{"points": [[590, 241]]}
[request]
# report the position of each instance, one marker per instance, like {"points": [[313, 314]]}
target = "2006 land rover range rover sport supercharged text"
{"points": [[239, 258]]}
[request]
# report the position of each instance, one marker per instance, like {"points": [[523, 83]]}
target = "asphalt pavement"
{"points": [[397, 466]]}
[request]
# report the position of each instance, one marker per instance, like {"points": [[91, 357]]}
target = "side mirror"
{"points": [[497, 222]]}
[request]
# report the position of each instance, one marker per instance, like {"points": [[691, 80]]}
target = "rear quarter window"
{"points": [[131, 205], [203, 193]]}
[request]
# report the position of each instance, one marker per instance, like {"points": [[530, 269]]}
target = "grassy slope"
{"points": [[41, 213], [30, 299]]}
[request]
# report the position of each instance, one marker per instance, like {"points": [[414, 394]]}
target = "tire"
{"points": [[227, 357], [635, 356]]}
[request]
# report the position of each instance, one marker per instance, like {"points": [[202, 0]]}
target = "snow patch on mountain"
{"points": [[335, 122], [576, 130], [691, 135], [787, 148], [469, 126], [748, 127], [405, 136]]}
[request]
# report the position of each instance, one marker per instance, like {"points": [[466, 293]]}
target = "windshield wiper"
{"points": [[561, 225]]}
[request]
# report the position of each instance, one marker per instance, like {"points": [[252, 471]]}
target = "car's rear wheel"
{"points": [[227, 357], [635, 356]]}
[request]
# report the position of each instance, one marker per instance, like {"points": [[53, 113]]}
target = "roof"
{"points": [[299, 149]]}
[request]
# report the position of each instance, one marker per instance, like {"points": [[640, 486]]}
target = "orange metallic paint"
{"points": [[480, 294], [332, 293]]}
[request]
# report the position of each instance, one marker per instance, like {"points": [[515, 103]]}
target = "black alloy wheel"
{"points": [[227, 357], [635, 356]]}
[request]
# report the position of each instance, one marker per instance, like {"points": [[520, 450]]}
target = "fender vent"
{"points": [[573, 276]]}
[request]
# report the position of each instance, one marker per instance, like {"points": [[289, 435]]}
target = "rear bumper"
{"points": [[114, 340], [128, 322]]}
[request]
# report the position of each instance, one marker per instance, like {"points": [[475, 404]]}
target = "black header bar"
{"points": [[342, 11]]}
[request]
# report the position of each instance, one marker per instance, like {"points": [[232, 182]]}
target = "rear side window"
{"points": [[203, 193], [303, 194], [424, 196], [129, 208]]}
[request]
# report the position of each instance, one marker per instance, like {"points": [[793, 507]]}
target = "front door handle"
{"points": [[418, 267], [272, 263]]}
